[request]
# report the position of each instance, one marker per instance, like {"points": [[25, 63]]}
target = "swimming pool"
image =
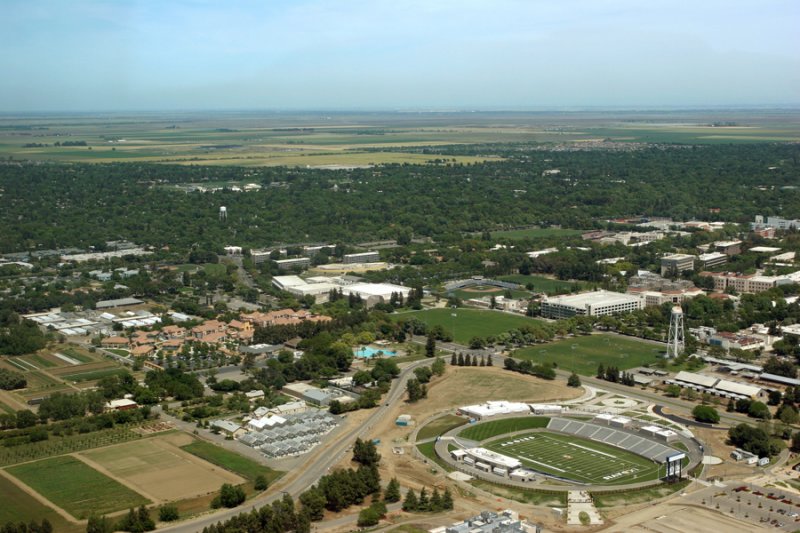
{"points": [[367, 352]]}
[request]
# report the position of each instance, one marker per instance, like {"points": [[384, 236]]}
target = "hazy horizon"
{"points": [[404, 56]]}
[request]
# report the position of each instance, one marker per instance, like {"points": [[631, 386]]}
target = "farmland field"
{"points": [[577, 459], [583, 354], [232, 461], [76, 487], [90, 375], [469, 323], [160, 469], [19, 506], [493, 428]]}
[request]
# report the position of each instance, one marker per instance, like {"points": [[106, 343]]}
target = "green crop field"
{"points": [[577, 459], [536, 233], [546, 285], [439, 426], [232, 461], [584, 354], [94, 374], [76, 487], [469, 323], [19, 506], [493, 428], [77, 354]]}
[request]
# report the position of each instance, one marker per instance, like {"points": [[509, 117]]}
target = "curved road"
{"points": [[659, 410], [297, 482]]}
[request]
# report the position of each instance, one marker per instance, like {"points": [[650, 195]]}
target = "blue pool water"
{"points": [[366, 352]]}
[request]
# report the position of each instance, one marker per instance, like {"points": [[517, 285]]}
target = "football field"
{"points": [[577, 459]]}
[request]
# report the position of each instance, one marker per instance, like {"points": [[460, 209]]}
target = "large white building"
{"points": [[320, 287], [597, 303], [774, 222]]}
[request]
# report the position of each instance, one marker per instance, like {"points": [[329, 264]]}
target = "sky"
{"points": [[109, 55]]}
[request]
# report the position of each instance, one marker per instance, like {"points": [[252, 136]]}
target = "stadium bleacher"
{"points": [[620, 439]]}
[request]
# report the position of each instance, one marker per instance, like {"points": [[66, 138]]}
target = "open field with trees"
{"points": [[469, 323], [535, 233], [584, 354], [350, 138], [76, 487]]}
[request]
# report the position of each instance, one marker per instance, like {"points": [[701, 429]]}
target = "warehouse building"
{"points": [[597, 303]]}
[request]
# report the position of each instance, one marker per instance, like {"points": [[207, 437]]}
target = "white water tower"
{"points": [[676, 341], [223, 213]]}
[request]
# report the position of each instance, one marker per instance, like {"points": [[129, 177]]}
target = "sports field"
{"points": [[76, 487], [542, 284], [161, 470], [584, 354], [577, 459], [469, 323], [493, 428]]}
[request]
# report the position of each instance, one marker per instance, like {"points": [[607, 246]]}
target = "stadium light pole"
{"points": [[453, 321]]}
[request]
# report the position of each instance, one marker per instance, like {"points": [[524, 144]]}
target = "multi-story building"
{"points": [[728, 247], [712, 259], [363, 257], [676, 263], [774, 222], [286, 264], [597, 303]]}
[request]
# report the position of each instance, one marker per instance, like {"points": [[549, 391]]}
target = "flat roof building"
{"points": [[363, 257], [597, 303], [676, 263], [287, 264]]}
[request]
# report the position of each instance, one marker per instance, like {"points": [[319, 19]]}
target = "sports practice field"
{"points": [[76, 487], [160, 469], [490, 429], [469, 323], [584, 354], [575, 458]]}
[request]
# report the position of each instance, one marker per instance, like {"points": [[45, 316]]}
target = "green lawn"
{"points": [[19, 506], [542, 284], [76, 487], [440, 426], [584, 354], [429, 450], [247, 468], [536, 233], [469, 323], [215, 269], [571, 457], [479, 432]]}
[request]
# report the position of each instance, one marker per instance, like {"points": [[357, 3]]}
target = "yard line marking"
{"points": [[592, 450]]}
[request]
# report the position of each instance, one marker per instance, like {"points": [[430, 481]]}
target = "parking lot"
{"points": [[768, 507]]}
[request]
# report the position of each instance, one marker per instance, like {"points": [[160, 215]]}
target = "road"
{"points": [[297, 482], [659, 410]]}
